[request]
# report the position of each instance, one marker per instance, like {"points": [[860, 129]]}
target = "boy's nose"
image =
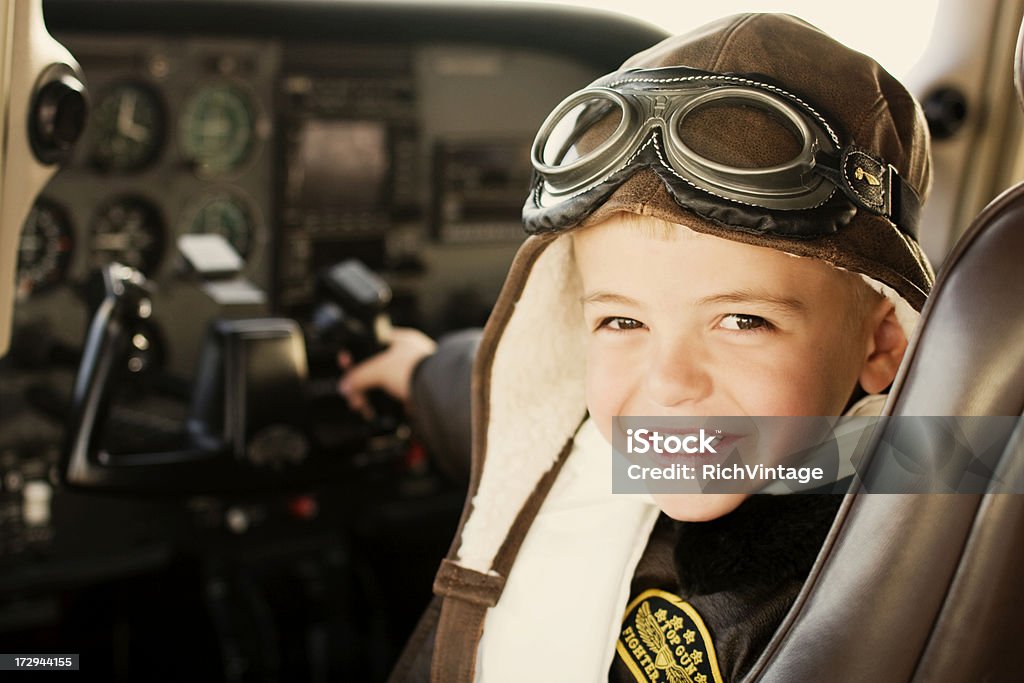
{"points": [[677, 375]]}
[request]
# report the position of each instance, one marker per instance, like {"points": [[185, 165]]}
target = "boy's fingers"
{"points": [[355, 398], [391, 370], [357, 380], [364, 376]]}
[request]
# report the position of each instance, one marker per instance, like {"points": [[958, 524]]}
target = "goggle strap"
{"points": [[872, 185], [905, 211]]}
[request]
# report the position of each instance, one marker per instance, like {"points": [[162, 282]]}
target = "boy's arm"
{"points": [[439, 402], [432, 380]]}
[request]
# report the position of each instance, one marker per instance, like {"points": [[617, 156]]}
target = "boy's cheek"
{"points": [[801, 381], [605, 389], [601, 408], [698, 507]]}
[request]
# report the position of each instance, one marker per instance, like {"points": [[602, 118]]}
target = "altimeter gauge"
{"points": [[128, 230]]}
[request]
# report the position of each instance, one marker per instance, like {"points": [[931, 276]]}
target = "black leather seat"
{"points": [[930, 587]]}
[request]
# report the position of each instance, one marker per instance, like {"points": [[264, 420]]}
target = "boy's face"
{"points": [[691, 324]]}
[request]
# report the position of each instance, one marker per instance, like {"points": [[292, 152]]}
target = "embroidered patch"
{"points": [[664, 639]]}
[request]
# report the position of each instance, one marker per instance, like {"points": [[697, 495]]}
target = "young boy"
{"points": [[724, 227]]}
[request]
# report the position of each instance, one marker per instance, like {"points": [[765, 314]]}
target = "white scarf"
{"points": [[560, 612]]}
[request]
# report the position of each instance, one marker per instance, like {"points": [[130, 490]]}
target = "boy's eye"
{"points": [[742, 322], [620, 324]]}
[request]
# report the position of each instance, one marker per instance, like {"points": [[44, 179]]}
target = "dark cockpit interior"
{"points": [[304, 134]]}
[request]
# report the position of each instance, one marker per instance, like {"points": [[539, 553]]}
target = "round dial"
{"points": [[216, 129], [229, 218], [128, 230], [128, 128], [44, 251]]}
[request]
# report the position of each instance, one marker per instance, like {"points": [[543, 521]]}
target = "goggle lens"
{"points": [[593, 120]]}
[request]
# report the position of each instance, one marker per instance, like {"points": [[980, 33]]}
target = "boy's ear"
{"points": [[886, 345]]}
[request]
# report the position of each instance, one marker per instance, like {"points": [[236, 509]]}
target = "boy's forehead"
{"points": [[633, 250]]}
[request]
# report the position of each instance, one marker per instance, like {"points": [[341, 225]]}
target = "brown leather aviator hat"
{"points": [[861, 136]]}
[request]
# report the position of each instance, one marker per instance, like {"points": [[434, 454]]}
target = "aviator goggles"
{"points": [[581, 156]]}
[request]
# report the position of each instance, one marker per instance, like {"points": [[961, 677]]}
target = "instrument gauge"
{"points": [[128, 230], [216, 129], [228, 217], [44, 251], [128, 128]]}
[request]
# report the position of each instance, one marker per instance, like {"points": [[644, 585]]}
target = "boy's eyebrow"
{"points": [[746, 296], [743, 296], [601, 297]]}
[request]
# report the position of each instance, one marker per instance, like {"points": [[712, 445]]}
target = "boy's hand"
{"points": [[390, 370]]}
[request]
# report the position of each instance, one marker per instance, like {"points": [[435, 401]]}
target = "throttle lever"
{"points": [[234, 439]]}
